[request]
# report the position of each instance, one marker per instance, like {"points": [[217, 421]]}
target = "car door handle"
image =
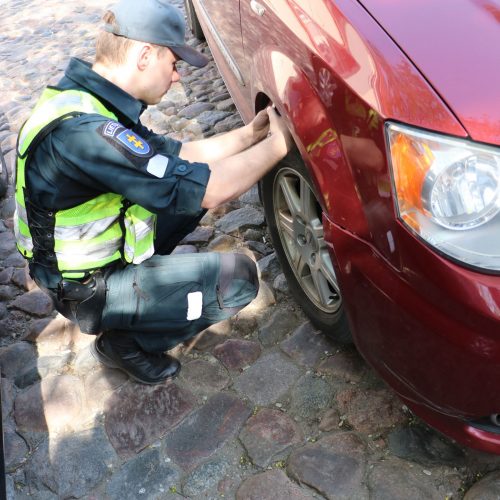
{"points": [[257, 8]]}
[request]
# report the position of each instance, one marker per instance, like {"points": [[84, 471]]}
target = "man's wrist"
{"points": [[250, 136], [278, 146]]}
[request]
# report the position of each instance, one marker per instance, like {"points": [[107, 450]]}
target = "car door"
{"points": [[223, 19], [270, 26]]}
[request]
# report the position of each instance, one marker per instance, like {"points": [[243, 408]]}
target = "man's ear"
{"points": [[144, 56]]}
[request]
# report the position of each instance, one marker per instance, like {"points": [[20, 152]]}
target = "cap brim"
{"points": [[190, 55]]}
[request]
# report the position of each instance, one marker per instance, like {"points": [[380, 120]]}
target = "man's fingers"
{"points": [[278, 126], [276, 122], [271, 112]]}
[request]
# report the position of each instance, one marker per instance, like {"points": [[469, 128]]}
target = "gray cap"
{"points": [[154, 21]]}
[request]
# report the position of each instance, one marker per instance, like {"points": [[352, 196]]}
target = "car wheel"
{"points": [[294, 220], [192, 20]]}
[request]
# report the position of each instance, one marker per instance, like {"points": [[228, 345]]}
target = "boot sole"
{"points": [[107, 361]]}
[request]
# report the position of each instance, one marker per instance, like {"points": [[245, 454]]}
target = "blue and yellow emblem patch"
{"points": [[133, 142]]}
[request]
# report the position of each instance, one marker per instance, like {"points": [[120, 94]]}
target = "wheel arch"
{"points": [[314, 130]]}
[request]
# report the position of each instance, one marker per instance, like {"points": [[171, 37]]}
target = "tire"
{"points": [[294, 220], [192, 20]]}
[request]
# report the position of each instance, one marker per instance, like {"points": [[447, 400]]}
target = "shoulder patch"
{"points": [[134, 142], [110, 128], [126, 140]]}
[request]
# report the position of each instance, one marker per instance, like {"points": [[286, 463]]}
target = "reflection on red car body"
{"points": [[394, 110]]}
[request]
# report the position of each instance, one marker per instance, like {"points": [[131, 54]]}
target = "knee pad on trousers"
{"points": [[237, 268]]}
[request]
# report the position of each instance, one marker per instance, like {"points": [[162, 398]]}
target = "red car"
{"points": [[387, 219]]}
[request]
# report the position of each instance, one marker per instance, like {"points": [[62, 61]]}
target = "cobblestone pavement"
{"points": [[265, 407]]}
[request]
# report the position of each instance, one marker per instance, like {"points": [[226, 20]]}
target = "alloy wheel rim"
{"points": [[298, 219]]}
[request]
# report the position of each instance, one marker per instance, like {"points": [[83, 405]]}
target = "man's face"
{"points": [[161, 73]]}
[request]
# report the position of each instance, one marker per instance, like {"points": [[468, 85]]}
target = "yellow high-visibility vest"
{"points": [[93, 234]]}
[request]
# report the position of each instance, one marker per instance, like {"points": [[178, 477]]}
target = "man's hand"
{"points": [[232, 176], [259, 126], [279, 130]]}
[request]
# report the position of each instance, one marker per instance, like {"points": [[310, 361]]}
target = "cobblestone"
{"points": [[193, 110], [6, 275], [272, 485], [98, 384], [424, 446], [201, 234], [329, 421], [15, 260], [15, 448], [269, 378], [3, 310], [268, 434], [345, 365], [35, 302], [71, 466], [208, 479], [145, 476], [240, 219], [205, 431], [306, 345], [7, 388], [7, 292], [206, 377], [137, 416], [15, 357], [397, 479], [222, 243], [488, 488], [280, 284], [309, 396], [278, 326], [269, 266], [371, 412], [335, 467], [237, 354]]}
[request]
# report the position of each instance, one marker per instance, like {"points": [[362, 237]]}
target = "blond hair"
{"points": [[110, 48]]}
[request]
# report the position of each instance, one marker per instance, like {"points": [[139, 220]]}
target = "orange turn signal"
{"points": [[411, 161]]}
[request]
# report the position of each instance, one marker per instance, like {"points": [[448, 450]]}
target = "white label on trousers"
{"points": [[157, 166], [195, 305]]}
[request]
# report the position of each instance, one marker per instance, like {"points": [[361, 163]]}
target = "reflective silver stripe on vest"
{"points": [[25, 241], [21, 213], [141, 227], [137, 259], [84, 231], [92, 253], [47, 109]]}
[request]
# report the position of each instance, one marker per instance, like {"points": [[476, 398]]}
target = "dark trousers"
{"points": [[168, 299]]}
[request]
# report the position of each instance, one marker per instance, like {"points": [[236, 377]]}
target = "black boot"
{"points": [[118, 350]]}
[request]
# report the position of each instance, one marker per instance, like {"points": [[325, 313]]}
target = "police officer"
{"points": [[101, 201]]}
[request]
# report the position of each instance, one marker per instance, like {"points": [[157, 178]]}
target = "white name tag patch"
{"points": [[195, 305], [157, 166]]}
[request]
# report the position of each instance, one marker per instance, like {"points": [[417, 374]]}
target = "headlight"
{"points": [[448, 192]]}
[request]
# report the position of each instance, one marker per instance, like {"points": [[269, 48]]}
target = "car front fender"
{"points": [[282, 82]]}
